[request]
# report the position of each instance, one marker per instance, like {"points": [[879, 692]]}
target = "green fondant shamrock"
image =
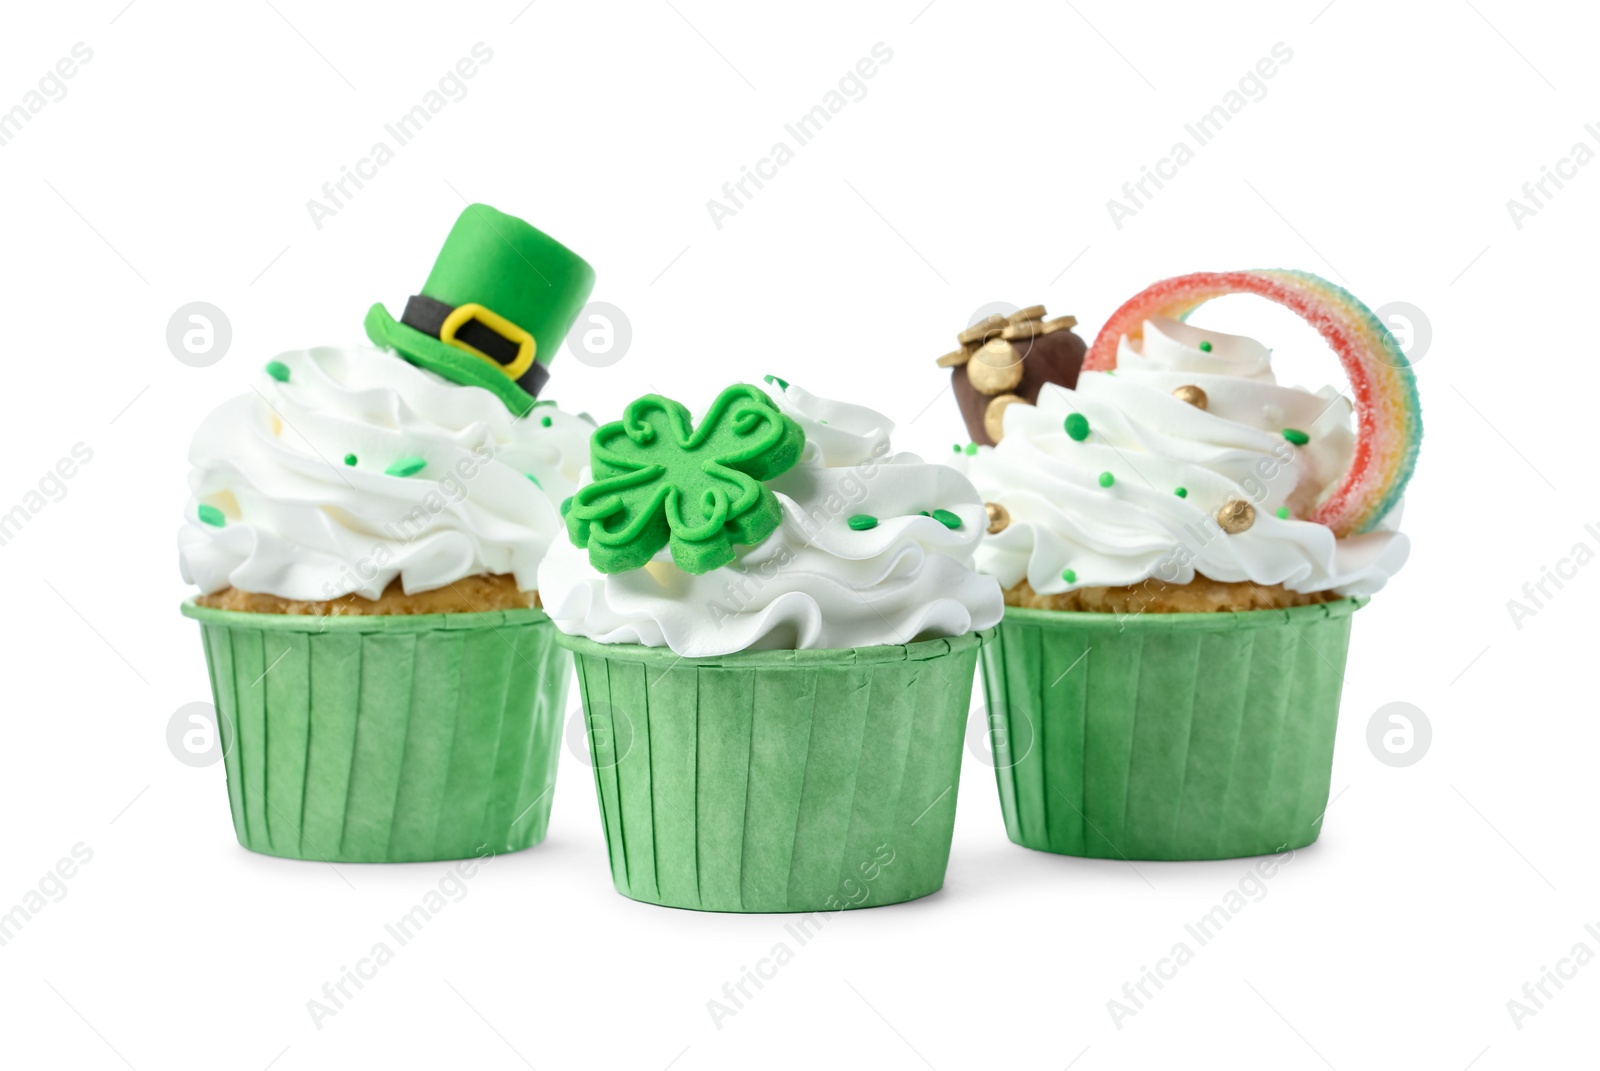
{"points": [[659, 481]]}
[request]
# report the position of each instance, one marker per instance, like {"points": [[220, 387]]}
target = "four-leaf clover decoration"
{"points": [[659, 481]]}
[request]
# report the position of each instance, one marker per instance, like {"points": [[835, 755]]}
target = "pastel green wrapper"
{"points": [[778, 780], [387, 738], [1166, 736]]}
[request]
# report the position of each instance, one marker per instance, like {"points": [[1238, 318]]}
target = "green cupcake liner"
{"points": [[386, 739], [1166, 736], [778, 780]]}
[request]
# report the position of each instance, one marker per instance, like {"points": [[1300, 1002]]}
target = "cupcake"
{"points": [[776, 624], [1181, 543], [365, 529]]}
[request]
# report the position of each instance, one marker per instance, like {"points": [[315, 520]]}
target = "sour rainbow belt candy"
{"points": [[1388, 412]]}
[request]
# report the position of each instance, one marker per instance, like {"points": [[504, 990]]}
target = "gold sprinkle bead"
{"points": [[1032, 312], [980, 331], [1191, 394], [995, 368], [1236, 516], [999, 517], [994, 416]]}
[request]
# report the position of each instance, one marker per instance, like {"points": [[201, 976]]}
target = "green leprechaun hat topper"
{"points": [[497, 305]]}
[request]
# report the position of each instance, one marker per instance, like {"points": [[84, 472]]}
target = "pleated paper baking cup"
{"points": [[1166, 736], [387, 738], [778, 780]]}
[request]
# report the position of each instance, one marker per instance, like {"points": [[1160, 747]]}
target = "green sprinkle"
{"points": [[1296, 436], [1205, 347], [1069, 576], [534, 478], [544, 422], [1182, 492], [1283, 513], [862, 522], [782, 384], [350, 459], [946, 518], [278, 370], [406, 466], [1077, 426], [972, 449], [1106, 479], [212, 515], [923, 513], [566, 504], [957, 448]]}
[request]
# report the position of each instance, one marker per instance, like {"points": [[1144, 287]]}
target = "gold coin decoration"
{"points": [[1236, 516], [999, 517], [957, 357], [1032, 312], [995, 368], [1191, 394], [994, 415], [1060, 323], [1022, 329], [980, 331]]}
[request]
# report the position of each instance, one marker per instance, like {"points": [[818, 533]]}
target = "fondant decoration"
{"points": [[1388, 412], [660, 481], [1010, 357], [501, 297], [994, 416]]}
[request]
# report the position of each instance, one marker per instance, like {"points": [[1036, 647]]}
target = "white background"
{"points": [[976, 169]]}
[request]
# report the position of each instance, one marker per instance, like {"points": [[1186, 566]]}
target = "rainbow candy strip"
{"points": [[1388, 412]]}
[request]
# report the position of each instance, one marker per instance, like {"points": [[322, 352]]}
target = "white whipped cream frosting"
{"points": [[1152, 443], [815, 582], [301, 523]]}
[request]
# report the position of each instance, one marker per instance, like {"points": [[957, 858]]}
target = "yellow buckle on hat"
{"points": [[526, 344]]}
